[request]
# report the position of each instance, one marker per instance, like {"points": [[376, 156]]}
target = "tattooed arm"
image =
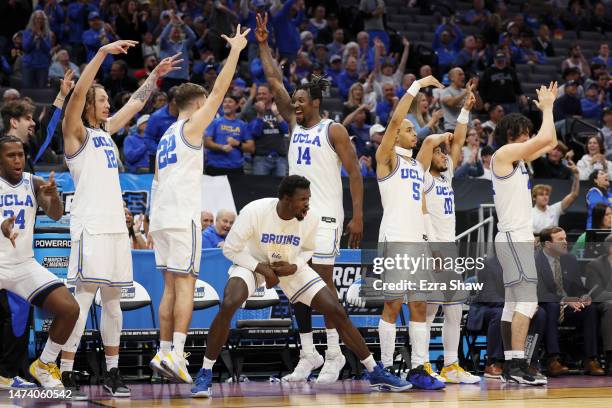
{"points": [[142, 94]]}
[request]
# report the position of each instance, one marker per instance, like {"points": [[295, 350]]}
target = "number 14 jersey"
{"points": [[180, 168]]}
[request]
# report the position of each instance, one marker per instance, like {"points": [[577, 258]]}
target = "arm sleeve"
{"points": [[241, 232]]}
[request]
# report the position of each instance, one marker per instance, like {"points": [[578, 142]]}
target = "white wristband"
{"points": [[414, 88], [464, 116]]}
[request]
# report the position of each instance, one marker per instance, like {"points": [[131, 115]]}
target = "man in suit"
{"points": [[565, 299], [599, 282], [485, 314]]}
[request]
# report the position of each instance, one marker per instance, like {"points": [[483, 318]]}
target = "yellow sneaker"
{"points": [[454, 374], [429, 369], [48, 375], [177, 365]]}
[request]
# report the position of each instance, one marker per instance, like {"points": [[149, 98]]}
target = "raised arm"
{"points": [[273, 73], [544, 141], [462, 125], [428, 146], [573, 195], [139, 98], [342, 144], [199, 121], [48, 198], [73, 129]]}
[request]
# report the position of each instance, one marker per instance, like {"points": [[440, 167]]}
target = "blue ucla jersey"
{"points": [[401, 194], [512, 197], [180, 172], [312, 155], [440, 202], [18, 200], [97, 204], [220, 130]]}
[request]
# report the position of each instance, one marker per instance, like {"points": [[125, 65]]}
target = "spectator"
{"points": [[373, 12], [318, 21], [486, 153], [575, 18], [593, 102], [471, 166], [447, 43], [16, 56], [552, 165], [560, 285], [207, 77], [543, 42], [603, 56], [601, 216], [135, 148], [18, 122], [336, 47], [500, 85], [268, 130], [320, 56], [606, 131], [598, 194], [160, 121], [226, 139], [5, 71], [78, 13], [386, 106], [472, 146], [527, 54], [149, 46], [10, 95], [99, 34], [365, 163], [352, 50], [222, 21], [594, 159], [214, 236], [248, 11], [150, 62], [496, 113], [384, 71], [571, 74], [335, 69], [364, 49], [356, 126], [407, 81], [286, 31], [177, 37], [467, 58], [597, 70], [348, 76], [478, 15], [130, 26], [118, 80], [567, 105], [598, 20], [576, 60], [137, 241], [424, 123], [326, 35], [61, 64], [206, 219], [545, 215], [452, 98], [356, 99], [37, 47], [377, 132]]}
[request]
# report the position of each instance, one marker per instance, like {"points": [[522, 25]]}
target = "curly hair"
{"points": [[511, 127]]}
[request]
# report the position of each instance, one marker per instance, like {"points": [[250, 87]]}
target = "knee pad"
{"points": [[112, 319], [508, 311], [526, 308], [84, 297]]}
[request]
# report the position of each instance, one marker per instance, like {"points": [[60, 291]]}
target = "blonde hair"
{"points": [[351, 100], [46, 27], [188, 92], [421, 118], [538, 188]]}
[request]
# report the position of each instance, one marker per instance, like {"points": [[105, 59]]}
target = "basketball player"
{"points": [[175, 210], [317, 149], [100, 256], [514, 241], [440, 201], [405, 225], [20, 196], [271, 243]]}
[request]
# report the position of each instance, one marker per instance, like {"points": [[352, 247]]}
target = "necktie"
{"points": [[558, 276]]}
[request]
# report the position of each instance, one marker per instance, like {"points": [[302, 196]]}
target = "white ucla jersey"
{"points": [[401, 194], [440, 202], [18, 200], [97, 204], [180, 172], [512, 197], [312, 155]]}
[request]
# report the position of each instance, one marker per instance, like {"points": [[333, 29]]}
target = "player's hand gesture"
{"points": [[430, 81], [282, 268], [238, 41], [49, 189], [261, 32], [470, 100], [167, 65], [354, 229], [546, 96], [118, 47], [8, 229], [66, 84]]}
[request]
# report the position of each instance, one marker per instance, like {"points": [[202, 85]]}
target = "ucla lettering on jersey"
{"points": [[280, 239], [441, 203], [18, 201]]}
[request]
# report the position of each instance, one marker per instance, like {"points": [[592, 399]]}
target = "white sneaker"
{"points": [[334, 363], [15, 383], [308, 362], [177, 365], [454, 374], [156, 366], [429, 369], [48, 375]]}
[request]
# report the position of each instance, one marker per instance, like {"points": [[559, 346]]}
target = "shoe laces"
{"points": [[54, 371], [201, 379], [18, 378]]}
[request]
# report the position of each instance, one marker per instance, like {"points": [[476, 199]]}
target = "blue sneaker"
{"points": [[422, 380], [382, 380], [15, 383], [202, 386]]}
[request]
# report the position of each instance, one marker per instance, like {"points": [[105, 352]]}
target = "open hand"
{"points": [[238, 41], [66, 84], [167, 65], [119, 47], [546, 96]]}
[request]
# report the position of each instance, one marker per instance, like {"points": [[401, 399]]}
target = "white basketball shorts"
{"points": [[178, 250], [26, 279]]}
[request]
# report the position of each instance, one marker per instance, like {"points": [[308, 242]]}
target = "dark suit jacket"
{"points": [[599, 273], [491, 295], [572, 284]]}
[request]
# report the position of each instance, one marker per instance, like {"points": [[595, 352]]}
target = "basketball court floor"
{"points": [[571, 391]]}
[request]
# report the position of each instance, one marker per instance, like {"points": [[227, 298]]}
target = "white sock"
{"points": [[307, 343], [451, 332], [66, 365], [333, 341], [208, 364], [178, 340], [432, 310], [369, 363], [112, 362], [519, 354], [165, 346], [50, 352], [508, 355], [386, 333], [418, 339]]}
